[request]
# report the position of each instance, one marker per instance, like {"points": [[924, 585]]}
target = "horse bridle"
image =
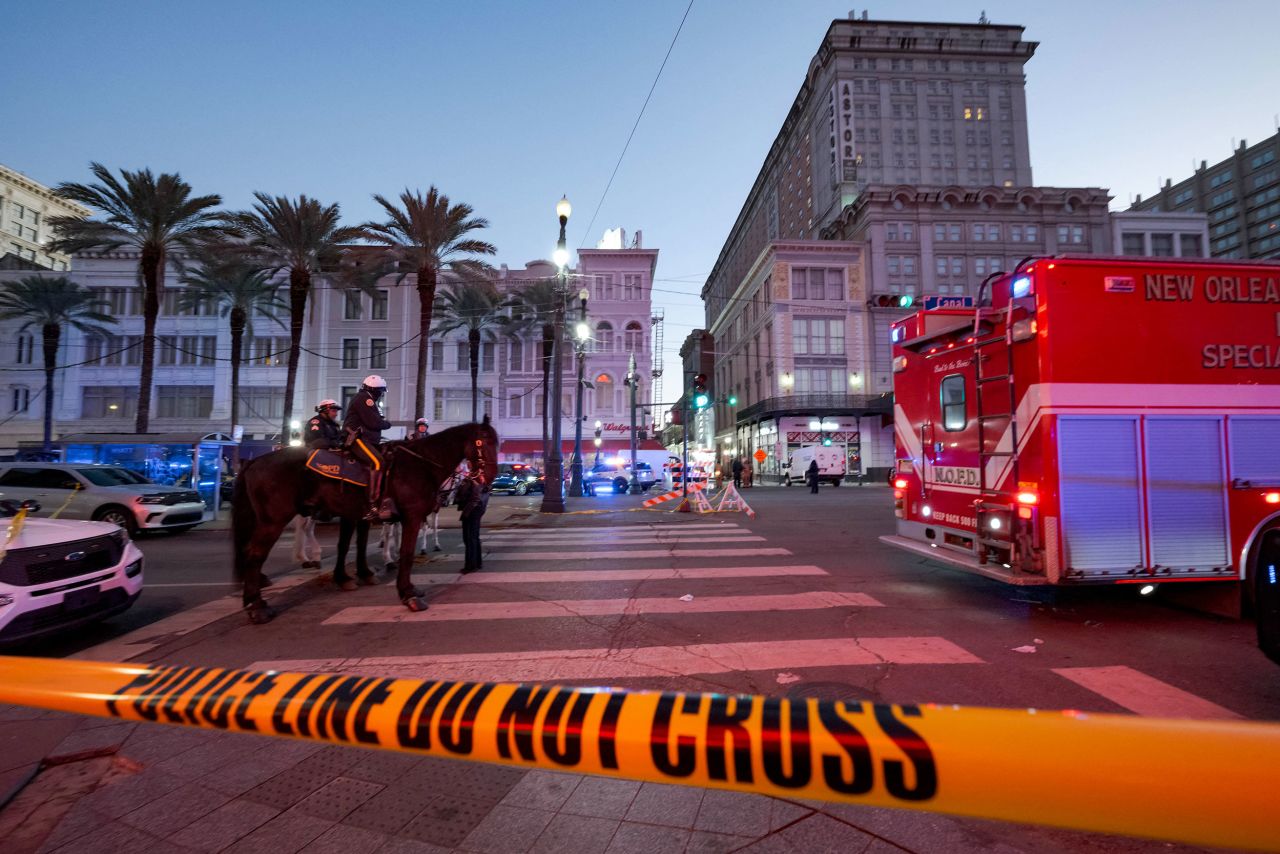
{"points": [[477, 472]]}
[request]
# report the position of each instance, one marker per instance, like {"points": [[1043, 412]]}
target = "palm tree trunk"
{"points": [[50, 333], [237, 339], [152, 264], [547, 339], [299, 287], [473, 350], [426, 303]]}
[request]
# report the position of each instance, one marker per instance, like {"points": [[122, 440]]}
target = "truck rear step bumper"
{"points": [[962, 561]]}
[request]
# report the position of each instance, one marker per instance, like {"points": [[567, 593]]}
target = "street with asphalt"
{"points": [[801, 600]]}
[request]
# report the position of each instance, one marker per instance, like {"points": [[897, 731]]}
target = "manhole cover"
{"points": [[827, 691]]}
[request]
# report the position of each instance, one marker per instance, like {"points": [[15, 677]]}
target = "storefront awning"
{"points": [[527, 447]]}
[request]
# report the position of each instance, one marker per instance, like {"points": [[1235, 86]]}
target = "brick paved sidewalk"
{"points": [[152, 789]]}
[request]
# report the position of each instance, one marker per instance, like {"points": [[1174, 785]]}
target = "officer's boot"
{"points": [[375, 493]]}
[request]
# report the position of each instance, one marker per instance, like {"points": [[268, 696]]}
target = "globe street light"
{"points": [[583, 333], [553, 490]]}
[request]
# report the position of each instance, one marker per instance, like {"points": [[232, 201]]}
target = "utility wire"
{"points": [[631, 135]]}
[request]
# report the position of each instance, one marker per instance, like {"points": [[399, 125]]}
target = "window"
{"points": [[1262, 159], [25, 351], [270, 352], [940, 265], [1190, 245], [1132, 243], [1222, 198], [184, 401], [1015, 233], [1162, 245], [437, 355], [108, 402], [464, 355], [819, 380], [631, 289], [196, 350], [348, 392], [993, 232], [1183, 196], [515, 406], [488, 357], [515, 356], [38, 478], [979, 231], [817, 336], [378, 306], [20, 399], [378, 354], [799, 283], [350, 354], [604, 393], [893, 263], [908, 231], [167, 345], [604, 336], [265, 403], [951, 396], [1033, 233], [633, 337], [351, 306]]}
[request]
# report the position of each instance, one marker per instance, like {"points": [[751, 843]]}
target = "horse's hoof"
{"points": [[264, 580], [437, 548], [348, 585], [392, 566], [260, 613], [368, 580], [415, 603], [311, 564], [422, 552]]}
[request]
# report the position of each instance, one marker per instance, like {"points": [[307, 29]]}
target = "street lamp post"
{"points": [[633, 379], [553, 490], [582, 333]]}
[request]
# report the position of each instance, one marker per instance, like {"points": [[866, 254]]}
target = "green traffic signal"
{"points": [[826, 440], [906, 300], [733, 400], [700, 401]]}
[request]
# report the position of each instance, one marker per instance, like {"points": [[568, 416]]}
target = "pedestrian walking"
{"points": [[472, 500], [811, 475], [737, 471], [748, 475]]}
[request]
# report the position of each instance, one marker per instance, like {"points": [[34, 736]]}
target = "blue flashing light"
{"points": [[1020, 287]]}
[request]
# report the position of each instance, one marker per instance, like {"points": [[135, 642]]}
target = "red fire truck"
{"points": [[1096, 420]]}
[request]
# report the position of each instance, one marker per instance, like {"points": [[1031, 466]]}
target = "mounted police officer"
{"points": [[420, 430], [323, 430], [364, 425]]}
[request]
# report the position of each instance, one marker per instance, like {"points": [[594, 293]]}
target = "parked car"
{"points": [[618, 477], [518, 478], [102, 494], [58, 573]]}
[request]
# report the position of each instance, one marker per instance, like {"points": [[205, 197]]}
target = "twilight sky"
{"points": [[508, 105]]}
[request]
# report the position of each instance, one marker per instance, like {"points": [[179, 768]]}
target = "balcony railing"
{"points": [[817, 404]]}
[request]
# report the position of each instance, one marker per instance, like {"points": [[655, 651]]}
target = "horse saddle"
{"points": [[338, 466]]}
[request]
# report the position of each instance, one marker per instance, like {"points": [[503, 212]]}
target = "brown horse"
{"points": [[275, 487]]}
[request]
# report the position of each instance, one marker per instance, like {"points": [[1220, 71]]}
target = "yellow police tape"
{"points": [[1202, 782]]}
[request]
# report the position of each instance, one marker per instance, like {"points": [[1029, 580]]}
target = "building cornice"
{"points": [[35, 188]]}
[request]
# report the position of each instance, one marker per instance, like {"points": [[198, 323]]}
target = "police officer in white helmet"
{"points": [[364, 424], [421, 429]]}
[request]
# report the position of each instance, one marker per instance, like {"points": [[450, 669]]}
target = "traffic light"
{"points": [[733, 400], [826, 441], [892, 301], [700, 397]]}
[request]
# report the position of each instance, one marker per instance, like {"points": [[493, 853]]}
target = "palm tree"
{"points": [[427, 235], [535, 307], [476, 307], [303, 237], [51, 304], [240, 292], [157, 216]]}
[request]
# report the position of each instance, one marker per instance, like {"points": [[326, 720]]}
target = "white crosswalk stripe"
{"points": [[639, 554], [534, 576], [632, 540], [644, 661], [602, 607]]}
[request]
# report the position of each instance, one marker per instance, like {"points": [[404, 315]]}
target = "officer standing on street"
{"points": [[364, 424], [323, 430]]}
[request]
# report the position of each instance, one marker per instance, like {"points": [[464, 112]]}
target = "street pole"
{"points": [[553, 488], [684, 450], [634, 488], [575, 468]]}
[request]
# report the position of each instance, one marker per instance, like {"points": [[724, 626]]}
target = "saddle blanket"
{"points": [[338, 466]]}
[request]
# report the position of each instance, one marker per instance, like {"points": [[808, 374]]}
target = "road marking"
{"points": [[634, 554], [552, 532], [660, 661], [583, 575], [226, 584], [538, 608], [1143, 694], [614, 540]]}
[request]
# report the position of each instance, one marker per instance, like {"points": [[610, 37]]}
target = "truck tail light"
{"points": [[899, 364], [1024, 329], [1272, 497], [1025, 512], [901, 483], [1028, 498]]}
